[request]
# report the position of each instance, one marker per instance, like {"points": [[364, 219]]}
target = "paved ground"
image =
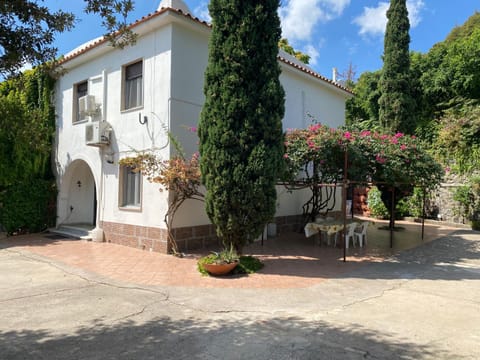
{"points": [[423, 303]]}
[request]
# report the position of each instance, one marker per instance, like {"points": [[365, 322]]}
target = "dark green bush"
{"points": [[28, 206]]}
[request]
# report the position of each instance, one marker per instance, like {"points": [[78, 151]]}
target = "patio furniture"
{"points": [[324, 227], [350, 234], [361, 235], [328, 228]]}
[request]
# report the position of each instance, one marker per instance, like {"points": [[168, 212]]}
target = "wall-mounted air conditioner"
{"points": [[97, 133], [87, 106]]}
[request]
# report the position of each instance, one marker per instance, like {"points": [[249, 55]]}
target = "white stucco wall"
{"points": [[175, 55], [303, 94], [104, 76]]}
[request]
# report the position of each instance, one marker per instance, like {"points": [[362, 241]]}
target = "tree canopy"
{"points": [[284, 45], [240, 127], [316, 155], [28, 29], [445, 83], [396, 103]]}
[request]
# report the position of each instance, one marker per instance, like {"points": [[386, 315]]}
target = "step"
{"points": [[72, 231]]}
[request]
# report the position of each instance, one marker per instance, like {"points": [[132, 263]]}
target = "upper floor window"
{"points": [[130, 187], [79, 90], [133, 85]]}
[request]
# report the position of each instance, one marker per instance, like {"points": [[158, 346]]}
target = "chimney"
{"points": [[334, 74]]}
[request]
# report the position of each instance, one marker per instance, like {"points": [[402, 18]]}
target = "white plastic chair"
{"points": [[361, 236], [350, 234]]}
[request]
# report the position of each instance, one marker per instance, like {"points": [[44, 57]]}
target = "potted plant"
{"points": [[219, 263]]}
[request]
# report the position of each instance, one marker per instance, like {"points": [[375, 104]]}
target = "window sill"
{"points": [[130, 208], [125, 111], [80, 122]]}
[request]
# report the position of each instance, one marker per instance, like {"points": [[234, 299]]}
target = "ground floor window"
{"points": [[130, 187]]}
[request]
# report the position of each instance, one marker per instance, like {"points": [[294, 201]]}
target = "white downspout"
{"points": [[97, 234]]}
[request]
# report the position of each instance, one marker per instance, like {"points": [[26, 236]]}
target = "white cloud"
{"points": [[414, 9], [299, 17], [201, 11], [373, 20], [313, 53]]}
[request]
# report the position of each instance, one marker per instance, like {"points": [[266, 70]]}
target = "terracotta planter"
{"points": [[220, 269]]}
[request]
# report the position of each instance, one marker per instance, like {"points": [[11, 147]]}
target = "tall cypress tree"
{"points": [[240, 130], [396, 102]]}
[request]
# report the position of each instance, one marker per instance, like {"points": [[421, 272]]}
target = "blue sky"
{"points": [[334, 33]]}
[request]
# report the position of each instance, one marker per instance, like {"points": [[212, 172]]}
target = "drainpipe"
{"points": [[97, 234]]}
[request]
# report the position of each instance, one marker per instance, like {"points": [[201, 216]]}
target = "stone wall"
{"points": [[443, 205]]}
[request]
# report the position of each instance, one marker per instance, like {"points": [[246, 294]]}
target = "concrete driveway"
{"points": [[421, 304]]}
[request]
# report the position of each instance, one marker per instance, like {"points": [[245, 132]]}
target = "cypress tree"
{"points": [[240, 130], [396, 103]]}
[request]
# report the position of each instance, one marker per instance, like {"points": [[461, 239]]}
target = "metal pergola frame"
{"points": [[346, 183]]}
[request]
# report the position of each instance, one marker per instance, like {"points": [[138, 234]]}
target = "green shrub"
{"points": [[376, 205], [415, 203], [476, 225], [28, 206]]}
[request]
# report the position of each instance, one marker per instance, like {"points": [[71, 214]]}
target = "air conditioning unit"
{"points": [[87, 106], [97, 133]]}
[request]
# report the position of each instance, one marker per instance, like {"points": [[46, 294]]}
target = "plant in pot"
{"points": [[219, 263]]}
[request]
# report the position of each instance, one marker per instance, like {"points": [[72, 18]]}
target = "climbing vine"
{"points": [[178, 175], [27, 127]]}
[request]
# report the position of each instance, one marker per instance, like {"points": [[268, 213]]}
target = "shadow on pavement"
{"points": [[167, 338]]}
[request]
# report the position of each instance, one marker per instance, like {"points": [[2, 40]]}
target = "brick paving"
{"points": [[291, 260]]}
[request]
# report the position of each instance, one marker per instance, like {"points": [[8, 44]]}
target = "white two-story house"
{"points": [[112, 103]]}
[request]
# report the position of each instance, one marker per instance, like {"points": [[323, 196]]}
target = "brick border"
{"points": [[136, 236], [188, 238]]}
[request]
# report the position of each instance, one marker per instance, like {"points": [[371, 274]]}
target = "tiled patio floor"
{"points": [[291, 260]]}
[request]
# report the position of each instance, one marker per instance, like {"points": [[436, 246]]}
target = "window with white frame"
{"points": [[130, 187], [133, 85], [79, 90]]}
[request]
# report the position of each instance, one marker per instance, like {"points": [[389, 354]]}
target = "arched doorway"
{"points": [[77, 203]]}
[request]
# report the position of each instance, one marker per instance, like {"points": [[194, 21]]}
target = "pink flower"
{"points": [[398, 135], [347, 135], [403, 147], [285, 156], [394, 140], [365, 133], [380, 159], [447, 169]]}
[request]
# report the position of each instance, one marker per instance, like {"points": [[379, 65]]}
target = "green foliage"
{"points": [[468, 198], [414, 203], [27, 126], [396, 102], [464, 31], [248, 265], [362, 109], [316, 156], [240, 128], [458, 140], [284, 45], [407, 206], [28, 30], [27, 33], [28, 206], [376, 205]]}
